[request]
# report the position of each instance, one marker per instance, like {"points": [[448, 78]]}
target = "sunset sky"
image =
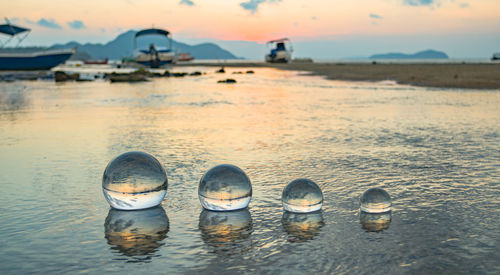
{"points": [[462, 28]]}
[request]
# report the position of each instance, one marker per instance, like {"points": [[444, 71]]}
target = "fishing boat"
{"points": [[154, 56], [495, 57], [184, 57], [36, 60], [280, 51]]}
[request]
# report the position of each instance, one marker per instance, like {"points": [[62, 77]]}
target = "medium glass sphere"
{"points": [[134, 180], [302, 196], [375, 200], [136, 233], [224, 188]]}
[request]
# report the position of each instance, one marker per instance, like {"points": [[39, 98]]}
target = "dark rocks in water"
{"points": [[60, 76], [137, 76], [178, 74], [250, 72], [197, 73], [228, 80], [221, 70]]}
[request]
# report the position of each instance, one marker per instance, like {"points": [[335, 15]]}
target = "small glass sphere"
{"points": [[136, 233], [375, 200], [224, 188], [302, 226], [134, 180], [375, 222], [302, 196]]}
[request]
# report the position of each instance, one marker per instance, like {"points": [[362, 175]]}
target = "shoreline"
{"points": [[437, 75]]}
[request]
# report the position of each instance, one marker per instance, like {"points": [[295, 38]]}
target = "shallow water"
{"points": [[436, 151]]}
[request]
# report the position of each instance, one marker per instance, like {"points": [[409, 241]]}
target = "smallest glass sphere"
{"points": [[302, 196], [375, 200]]}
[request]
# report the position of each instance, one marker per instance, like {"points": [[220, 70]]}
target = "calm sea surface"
{"points": [[436, 151]]}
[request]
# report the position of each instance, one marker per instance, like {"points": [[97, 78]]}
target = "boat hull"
{"points": [[33, 61]]}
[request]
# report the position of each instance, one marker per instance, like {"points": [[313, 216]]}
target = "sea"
{"points": [[435, 151]]}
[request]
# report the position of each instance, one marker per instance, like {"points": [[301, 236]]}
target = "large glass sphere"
{"points": [[224, 188], [302, 226], [302, 196], [136, 233], [375, 200], [374, 222], [134, 180]]}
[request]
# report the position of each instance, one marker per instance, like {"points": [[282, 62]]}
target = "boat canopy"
{"points": [[278, 40], [151, 31], [11, 29]]}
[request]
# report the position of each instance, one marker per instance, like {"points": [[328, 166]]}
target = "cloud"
{"points": [[253, 5], [375, 16], [48, 23], [464, 5], [186, 2], [76, 25], [419, 2], [314, 18]]}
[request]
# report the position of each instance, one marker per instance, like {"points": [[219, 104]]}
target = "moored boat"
{"points": [[495, 57], [281, 51], [154, 56], [37, 60]]}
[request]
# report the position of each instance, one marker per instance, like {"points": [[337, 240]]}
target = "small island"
{"points": [[427, 54]]}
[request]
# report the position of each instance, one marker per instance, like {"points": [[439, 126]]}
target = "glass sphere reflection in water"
{"points": [[375, 200], [302, 226], [225, 187], [134, 180], [228, 231], [375, 222], [136, 233], [302, 196]]}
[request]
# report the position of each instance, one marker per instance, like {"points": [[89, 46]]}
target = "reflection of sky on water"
{"points": [[375, 222], [136, 233], [435, 151], [302, 226], [226, 232]]}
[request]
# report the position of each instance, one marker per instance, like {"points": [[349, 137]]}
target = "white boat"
{"points": [[153, 56], [280, 51], [495, 57]]}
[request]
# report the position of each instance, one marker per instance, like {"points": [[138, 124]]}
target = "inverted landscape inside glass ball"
{"points": [[302, 196], [134, 180], [224, 188], [375, 200]]}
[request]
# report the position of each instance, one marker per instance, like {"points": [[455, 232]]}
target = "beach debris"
{"points": [[134, 180], [228, 80], [221, 70], [238, 72], [225, 188], [197, 73], [250, 72]]}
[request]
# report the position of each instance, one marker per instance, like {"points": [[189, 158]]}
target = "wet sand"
{"points": [[450, 75]]}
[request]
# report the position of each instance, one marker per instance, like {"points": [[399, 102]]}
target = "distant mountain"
{"points": [[123, 46], [428, 54]]}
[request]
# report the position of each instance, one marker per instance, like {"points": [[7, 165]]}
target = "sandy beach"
{"points": [[450, 75]]}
